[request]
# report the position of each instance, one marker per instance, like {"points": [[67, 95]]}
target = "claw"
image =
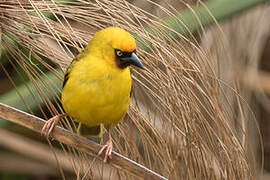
{"points": [[108, 150], [50, 124]]}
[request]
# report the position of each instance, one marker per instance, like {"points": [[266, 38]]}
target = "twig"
{"points": [[42, 153], [256, 80], [76, 141], [15, 163], [33, 149]]}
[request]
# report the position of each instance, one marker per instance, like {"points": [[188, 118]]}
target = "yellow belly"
{"points": [[95, 95]]}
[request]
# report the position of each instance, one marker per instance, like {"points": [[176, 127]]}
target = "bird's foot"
{"points": [[108, 150], [50, 124]]}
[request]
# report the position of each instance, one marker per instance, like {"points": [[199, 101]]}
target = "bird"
{"points": [[97, 85]]}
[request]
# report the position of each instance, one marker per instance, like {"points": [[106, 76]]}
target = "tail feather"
{"points": [[86, 131]]}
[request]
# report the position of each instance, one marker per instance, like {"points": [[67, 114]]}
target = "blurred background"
{"points": [[200, 110]]}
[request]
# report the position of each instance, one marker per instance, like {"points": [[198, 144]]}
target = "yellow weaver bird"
{"points": [[97, 85]]}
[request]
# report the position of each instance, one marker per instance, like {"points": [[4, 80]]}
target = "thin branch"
{"points": [[256, 80], [14, 163], [42, 153], [78, 142]]}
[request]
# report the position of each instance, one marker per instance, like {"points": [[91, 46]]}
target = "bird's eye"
{"points": [[119, 53]]}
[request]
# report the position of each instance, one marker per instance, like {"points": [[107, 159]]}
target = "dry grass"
{"points": [[187, 120]]}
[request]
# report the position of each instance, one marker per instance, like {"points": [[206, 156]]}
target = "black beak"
{"points": [[132, 60]]}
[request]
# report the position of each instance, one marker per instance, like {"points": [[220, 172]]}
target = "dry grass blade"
{"points": [[80, 143]]}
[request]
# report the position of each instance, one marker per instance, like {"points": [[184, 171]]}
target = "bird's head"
{"points": [[116, 46]]}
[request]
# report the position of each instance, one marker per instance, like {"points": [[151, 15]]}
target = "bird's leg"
{"points": [[107, 148], [51, 123]]}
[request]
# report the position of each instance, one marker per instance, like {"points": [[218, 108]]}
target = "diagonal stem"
{"points": [[76, 141]]}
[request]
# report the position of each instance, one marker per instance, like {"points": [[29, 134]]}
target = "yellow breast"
{"points": [[96, 93]]}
